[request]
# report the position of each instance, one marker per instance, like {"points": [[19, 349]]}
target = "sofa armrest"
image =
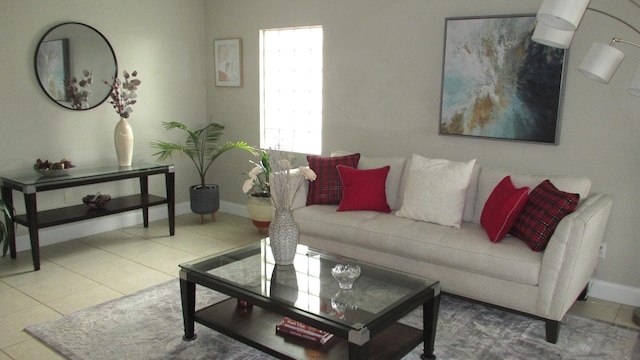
{"points": [[571, 255]]}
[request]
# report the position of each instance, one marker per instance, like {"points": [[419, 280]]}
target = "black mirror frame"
{"points": [[35, 64]]}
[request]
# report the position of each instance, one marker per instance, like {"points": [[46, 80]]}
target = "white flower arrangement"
{"points": [[281, 185], [258, 182]]}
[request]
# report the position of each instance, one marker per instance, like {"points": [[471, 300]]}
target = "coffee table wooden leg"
{"points": [[358, 352], [430, 320], [188, 295]]}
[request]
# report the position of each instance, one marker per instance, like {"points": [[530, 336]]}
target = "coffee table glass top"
{"points": [[308, 285]]}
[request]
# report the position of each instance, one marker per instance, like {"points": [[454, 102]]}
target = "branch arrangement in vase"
{"points": [[123, 93], [283, 185]]}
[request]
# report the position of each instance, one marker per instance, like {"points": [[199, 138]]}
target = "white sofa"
{"points": [[507, 274]]}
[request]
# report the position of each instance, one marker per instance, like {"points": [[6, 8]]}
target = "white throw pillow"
{"points": [[436, 190]]}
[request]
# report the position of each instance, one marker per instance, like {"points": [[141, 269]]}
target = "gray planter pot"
{"points": [[204, 200]]}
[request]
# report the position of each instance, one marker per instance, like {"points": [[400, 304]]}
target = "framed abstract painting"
{"points": [[52, 67], [499, 84], [228, 62]]}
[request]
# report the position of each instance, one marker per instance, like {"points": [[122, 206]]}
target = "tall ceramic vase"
{"points": [[123, 138], [283, 236]]}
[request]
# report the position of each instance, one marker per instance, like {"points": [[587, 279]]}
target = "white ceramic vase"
{"points": [[283, 236], [123, 138]]}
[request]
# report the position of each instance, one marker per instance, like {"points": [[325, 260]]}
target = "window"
{"points": [[291, 89]]}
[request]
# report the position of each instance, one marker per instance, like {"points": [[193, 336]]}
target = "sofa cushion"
{"points": [[363, 189], [541, 214], [502, 208], [465, 249], [436, 190], [327, 188], [472, 194], [490, 177], [392, 185]]}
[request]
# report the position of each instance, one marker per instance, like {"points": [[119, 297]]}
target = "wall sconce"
{"points": [[559, 19]]}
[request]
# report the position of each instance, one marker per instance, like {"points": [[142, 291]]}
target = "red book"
{"points": [[285, 329], [290, 321]]}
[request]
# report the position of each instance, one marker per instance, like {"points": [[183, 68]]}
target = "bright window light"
{"points": [[291, 89]]}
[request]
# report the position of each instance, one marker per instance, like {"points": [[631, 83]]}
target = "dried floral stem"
{"points": [[281, 179], [123, 93]]}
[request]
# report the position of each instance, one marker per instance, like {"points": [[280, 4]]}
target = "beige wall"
{"points": [[383, 61], [382, 67], [162, 39]]}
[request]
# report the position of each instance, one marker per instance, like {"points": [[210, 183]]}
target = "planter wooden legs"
{"points": [[213, 217]]}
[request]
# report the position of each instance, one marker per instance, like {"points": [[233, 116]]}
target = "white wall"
{"points": [[382, 66], [162, 39], [383, 61]]}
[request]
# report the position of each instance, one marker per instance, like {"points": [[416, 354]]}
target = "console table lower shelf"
{"points": [[256, 328], [75, 213]]}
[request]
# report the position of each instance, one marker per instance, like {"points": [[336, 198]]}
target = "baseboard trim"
{"points": [[600, 289], [609, 291]]}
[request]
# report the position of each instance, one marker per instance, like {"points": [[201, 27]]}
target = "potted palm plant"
{"points": [[201, 147], [7, 212]]}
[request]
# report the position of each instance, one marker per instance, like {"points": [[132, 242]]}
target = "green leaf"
{"points": [[200, 145]]}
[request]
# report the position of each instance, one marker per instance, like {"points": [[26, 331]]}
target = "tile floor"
{"points": [[88, 271]]}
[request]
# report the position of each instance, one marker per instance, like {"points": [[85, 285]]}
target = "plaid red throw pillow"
{"points": [[544, 209], [327, 189]]}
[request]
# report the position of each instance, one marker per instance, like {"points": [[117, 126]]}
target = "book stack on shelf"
{"points": [[290, 327]]}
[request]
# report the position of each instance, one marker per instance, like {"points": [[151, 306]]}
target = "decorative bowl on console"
{"points": [[51, 169], [96, 201]]}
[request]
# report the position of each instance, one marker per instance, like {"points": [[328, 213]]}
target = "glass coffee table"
{"points": [[364, 319]]}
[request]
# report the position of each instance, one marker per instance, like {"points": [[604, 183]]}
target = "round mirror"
{"points": [[72, 62]]}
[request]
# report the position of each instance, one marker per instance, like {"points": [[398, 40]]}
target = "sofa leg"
{"points": [[584, 295], [553, 330]]}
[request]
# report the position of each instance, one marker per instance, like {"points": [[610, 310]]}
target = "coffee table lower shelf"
{"points": [[257, 327]]}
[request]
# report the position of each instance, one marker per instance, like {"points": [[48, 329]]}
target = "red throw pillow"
{"points": [[327, 188], [541, 214], [364, 189], [502, 209]]}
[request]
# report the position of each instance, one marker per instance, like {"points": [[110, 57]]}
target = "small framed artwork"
{"points": [[497, 83], [52, 66], [228, 62]]}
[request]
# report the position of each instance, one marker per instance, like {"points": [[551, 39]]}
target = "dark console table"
{"points": [[31, 183]]}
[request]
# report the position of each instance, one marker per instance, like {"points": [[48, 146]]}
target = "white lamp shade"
{"points": [[562, 14], [634, 88], [547, 35], [601, 62]]}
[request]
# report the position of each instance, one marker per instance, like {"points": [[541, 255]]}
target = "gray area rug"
{"points": [[148, 325]]}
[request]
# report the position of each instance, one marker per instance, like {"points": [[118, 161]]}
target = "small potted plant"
{"points": [[7, 213], [257, 187], [201, 148]]}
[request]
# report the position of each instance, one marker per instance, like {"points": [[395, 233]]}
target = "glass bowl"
{"points": [[52, 172], [346, 275]]}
